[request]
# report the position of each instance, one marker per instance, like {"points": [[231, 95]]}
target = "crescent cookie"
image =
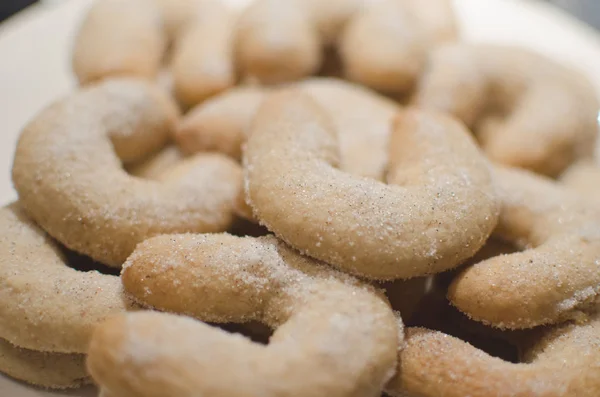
{"points": [[361, 117], [70, 179], [44, 304], [202, 60], [385, 45], [50, 370], [563, 362], [525, 110], [119, 38], [555, 277], [437, 210], [333, 336], [281, 41]]}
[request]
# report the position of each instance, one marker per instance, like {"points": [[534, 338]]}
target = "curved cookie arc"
{"points": [[525, 110], [321, 318], [555, 277], [43, 369], [562, 362], [44, 304], [415, 225], [69, 175]]}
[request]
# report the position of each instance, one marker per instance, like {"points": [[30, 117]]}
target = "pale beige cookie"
{"points": [[584, 178], [563, 362], [436, 18], [555, 277], [48, 370], [383, 47], [164, 162], [178, 14], [334, 335], [282, 41], [68, 173], [525, 110], [276, 41], [106, 393], [203, 60], [157, 163], [220, 124], [437, 210], [44, 304], [361, 117], [119, 38], [362, 120], [331, 17]]}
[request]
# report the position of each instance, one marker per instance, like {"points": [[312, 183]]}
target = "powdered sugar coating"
{"points": [[526, 110], [556, 275], [438, 209], [333, 335], [44, 304], [69, 176], [362, 120], [562, 362]]}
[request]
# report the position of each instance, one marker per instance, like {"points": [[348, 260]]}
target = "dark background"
{"points": [[586, 10], [9, 7]]}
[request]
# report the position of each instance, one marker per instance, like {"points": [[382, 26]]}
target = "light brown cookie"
{"points": [[557, 273], [584, 178], [119, 38], [69, 175], [202, 60], [361, 117], [333, 336], [48, 370], [437, 210], [525, 110], [44, 304], [563, 362]]}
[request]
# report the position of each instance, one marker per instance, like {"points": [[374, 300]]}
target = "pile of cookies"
{"points": [[304, 198]]}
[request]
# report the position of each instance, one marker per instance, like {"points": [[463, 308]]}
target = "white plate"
{"points": [[35, 69]]}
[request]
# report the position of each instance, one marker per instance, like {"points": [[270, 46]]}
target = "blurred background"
{"points": [[586, 10]]}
